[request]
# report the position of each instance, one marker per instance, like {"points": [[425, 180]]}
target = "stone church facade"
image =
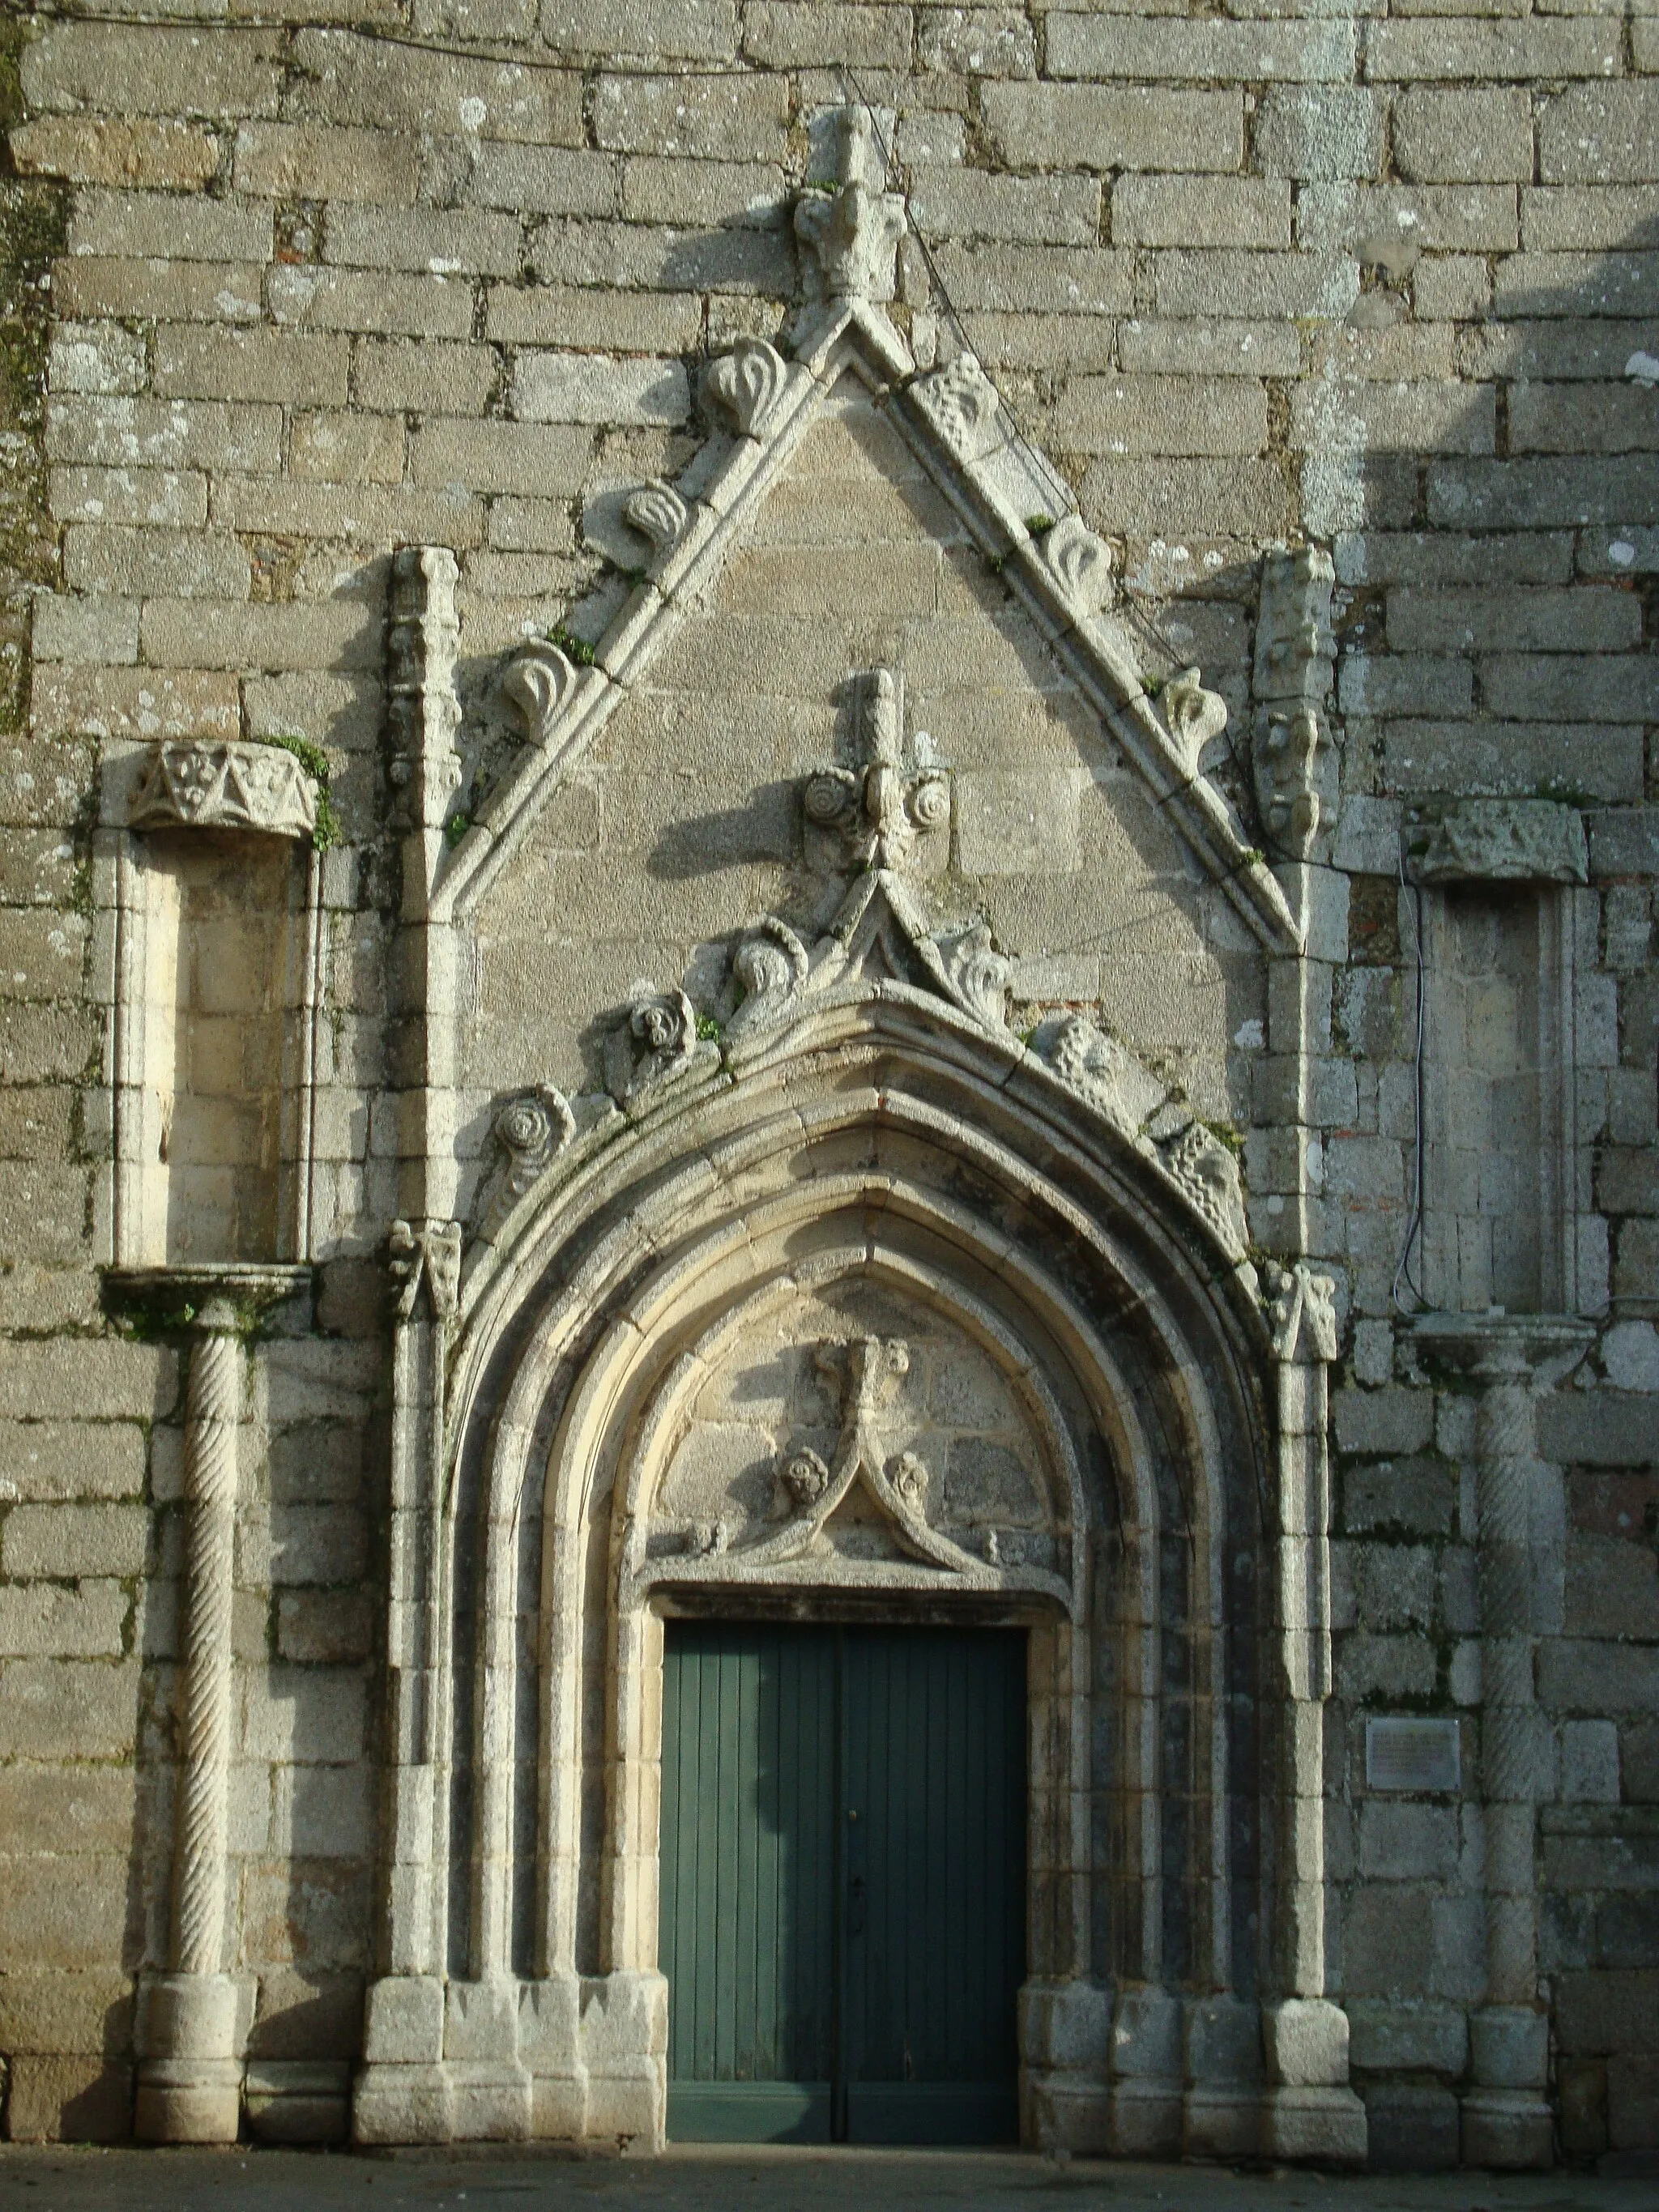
{"points": [[831, 820]]}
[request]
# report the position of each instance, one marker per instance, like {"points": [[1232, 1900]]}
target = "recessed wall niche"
{"points": [[1499, 1198], [217, 921]]}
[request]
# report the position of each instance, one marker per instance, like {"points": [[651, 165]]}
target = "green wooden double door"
{"points": [[843, 1882]]}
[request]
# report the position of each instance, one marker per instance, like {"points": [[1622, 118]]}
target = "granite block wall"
{"points": [[282, 288]]}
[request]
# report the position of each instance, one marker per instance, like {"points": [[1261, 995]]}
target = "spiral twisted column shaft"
{"points": [[1510, 1730], [213, 1414]]}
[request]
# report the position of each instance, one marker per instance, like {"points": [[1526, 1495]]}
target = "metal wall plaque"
{"points": [[1414, 1754]]}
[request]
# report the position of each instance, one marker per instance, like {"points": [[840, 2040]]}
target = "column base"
{"points": [[189, 2101], [1320, 2127], [1062, 2111], [1512, 2131], [403, 2104]]}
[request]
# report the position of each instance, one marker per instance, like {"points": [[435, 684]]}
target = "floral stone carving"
{"points": [[1500, 841], [1101, 1070], [770, 966], [852, 234], [225, 786], [1079, 563], [1207, 1172], [1194, 715], [1302, 1313]]}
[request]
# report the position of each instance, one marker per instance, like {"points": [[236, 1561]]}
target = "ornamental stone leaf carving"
{"points": [[1194, 715], [977, 973], [865, 1375], [657, 512], [1294, 659], [1079, 563], [960, 402], [1207, 1172], [770, 964], [875, 810], [1101, 1070], [538, 681], [225, 786], [747, 383]]}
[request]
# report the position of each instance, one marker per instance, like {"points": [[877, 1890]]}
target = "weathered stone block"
{"points": [[69, 2099]]}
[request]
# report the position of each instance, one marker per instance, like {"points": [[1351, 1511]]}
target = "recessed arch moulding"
{"points": [[823, 1196]]}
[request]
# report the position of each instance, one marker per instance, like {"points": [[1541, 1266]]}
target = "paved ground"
{"points": [[62, 2180]]}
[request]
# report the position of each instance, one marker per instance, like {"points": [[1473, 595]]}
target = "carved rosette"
{"points": [[533, 1129], [650, 1043], [746, 385], [225, 786]]}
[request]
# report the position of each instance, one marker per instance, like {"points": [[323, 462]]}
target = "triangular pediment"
{"points": [[997, 488]]}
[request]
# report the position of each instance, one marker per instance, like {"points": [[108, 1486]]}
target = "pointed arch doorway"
{"points": [[843, 1880]]}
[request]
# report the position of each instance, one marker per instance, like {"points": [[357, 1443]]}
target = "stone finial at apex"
{"points": [[876, 810], [852, 233]]}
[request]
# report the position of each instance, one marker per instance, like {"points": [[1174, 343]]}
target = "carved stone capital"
{"points": [[225, 785], [1500, 841], [430, 1257], [1302, 1313]]}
